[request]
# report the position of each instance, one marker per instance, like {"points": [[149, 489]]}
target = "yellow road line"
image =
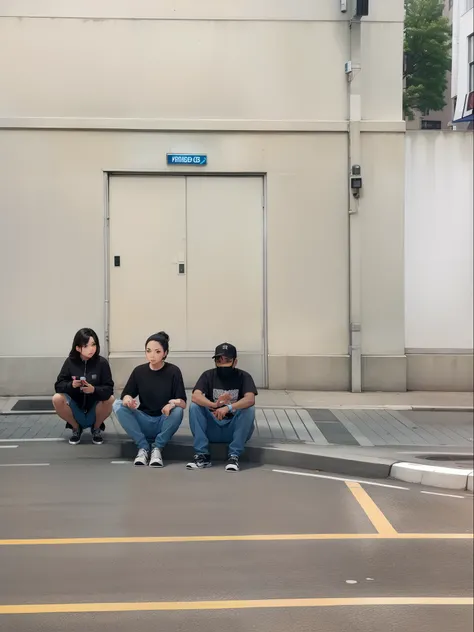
{"points": [[279, 537], [373, 513], [431, 536], [233, 605]]}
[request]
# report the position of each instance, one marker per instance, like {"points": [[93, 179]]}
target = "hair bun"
{"points": [[164, 335]]}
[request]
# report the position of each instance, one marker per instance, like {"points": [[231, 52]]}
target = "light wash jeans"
{"points": [[206, 429], [84, 419], [145, 429]]}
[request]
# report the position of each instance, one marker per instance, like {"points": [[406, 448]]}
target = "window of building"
{"points": [[471, 62], [430, 124]]}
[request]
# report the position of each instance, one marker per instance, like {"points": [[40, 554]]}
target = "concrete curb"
{"points": [[368, 467], [433, 475], [7, 403], [443, 409], [357, 462]]}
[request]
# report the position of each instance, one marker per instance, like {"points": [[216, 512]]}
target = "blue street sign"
{"points": [[191, 160]]}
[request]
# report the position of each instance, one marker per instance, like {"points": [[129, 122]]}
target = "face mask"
{"points": [[225, 372]]}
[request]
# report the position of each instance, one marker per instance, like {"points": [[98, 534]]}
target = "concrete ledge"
{"points": [[443, 409], [384, 373], [307, 373], [470, 482], [440, 372], [432, 475], [35, 375], [305, 457]]}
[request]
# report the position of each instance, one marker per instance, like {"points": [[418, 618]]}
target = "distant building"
{"points": [[442, 118], [462, 85]]}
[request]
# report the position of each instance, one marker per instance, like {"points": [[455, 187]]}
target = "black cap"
{"points": [[225, 349]]}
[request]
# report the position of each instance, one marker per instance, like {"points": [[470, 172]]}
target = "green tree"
{"points": [[427, 56]]}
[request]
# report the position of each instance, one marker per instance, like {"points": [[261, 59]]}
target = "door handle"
{"points": [[117, 261]]}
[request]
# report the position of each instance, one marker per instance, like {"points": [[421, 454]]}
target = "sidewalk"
{"points": [[318, 399], [352, 434], [317, 426]]}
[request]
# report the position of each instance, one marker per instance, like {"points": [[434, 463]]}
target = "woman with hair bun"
{"points": [[160, 389]]}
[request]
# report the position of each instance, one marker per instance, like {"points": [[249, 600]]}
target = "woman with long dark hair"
{"points": [[160, 388], [84, 388]]}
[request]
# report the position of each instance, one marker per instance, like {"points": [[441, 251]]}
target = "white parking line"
{"points": [[23, 464], [433, 452], [26, 440], [8, 446], [446, 495], [337, 478], [120, 462]]}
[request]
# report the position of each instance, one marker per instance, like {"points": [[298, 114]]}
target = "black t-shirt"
{"points": [[155, 388], [237, 385]]}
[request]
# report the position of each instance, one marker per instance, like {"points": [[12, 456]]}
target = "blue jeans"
{"points": [[206, 429], [145, 429], [83, 418]]}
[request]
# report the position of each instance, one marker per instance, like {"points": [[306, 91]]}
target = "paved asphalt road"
{"points": [[86, 543]]}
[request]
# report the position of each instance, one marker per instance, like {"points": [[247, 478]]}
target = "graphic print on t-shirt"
{"points": [[218, 392]]}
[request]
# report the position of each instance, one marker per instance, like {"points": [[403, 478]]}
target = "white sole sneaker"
{"points": [[141, 459], [156, 463], [193, 466], [232, 467], [156, 459]]}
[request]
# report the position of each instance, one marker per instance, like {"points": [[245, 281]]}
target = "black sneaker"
{"points": [[76, 436], [199, 462], [232, 464], [97, 438]]}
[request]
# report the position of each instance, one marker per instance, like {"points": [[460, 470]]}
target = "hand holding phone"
{"points": [[86, 387]]}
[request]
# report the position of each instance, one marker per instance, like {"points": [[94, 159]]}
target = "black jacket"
{"points": [[96, 371]]}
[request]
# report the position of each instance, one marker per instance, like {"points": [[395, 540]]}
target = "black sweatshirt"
{"points": [[96, 371], [155, 388]]}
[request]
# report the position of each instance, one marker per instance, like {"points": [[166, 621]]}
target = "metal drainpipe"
{"points": [[355, 158]]}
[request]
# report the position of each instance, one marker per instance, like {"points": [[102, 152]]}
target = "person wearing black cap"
{"points": [[222, 409], [160, 388]]}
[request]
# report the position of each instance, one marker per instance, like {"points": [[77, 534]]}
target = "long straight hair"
{"points": [[81, 339]]}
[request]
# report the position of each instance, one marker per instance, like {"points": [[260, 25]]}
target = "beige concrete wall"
{"points": [[380, 10], [439, 241], [259, 86], [53, 215], [175, 69], [383, 292], [181, 61], [439, 261]]}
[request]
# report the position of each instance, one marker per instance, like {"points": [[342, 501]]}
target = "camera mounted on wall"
{"points": [[356, 181]]}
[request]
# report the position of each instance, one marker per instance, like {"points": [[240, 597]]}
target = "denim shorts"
{"points": [[83, 418]]}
